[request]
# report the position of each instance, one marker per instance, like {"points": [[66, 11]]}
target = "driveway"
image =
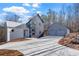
{"points": [[45, 46]]}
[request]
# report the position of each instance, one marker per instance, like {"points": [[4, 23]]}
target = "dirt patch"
{"points": [[6, 52], [19, 39], [68, 41], [2, 43]]}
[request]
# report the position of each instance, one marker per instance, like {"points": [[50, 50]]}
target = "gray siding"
{"points": [[37, 25], [57, 30]]}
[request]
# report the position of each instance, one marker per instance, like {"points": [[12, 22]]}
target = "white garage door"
{"points": [[57, 30]]}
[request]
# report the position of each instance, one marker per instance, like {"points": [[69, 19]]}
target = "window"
{"points": [[39, 23], [33, 30], [40, 32], [12, 30]]}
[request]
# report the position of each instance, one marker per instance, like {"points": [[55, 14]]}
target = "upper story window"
{"points": [[33, 30], [39, 23]]}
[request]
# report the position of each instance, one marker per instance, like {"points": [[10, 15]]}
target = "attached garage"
{"points": [[58, 30], [15, 30]]}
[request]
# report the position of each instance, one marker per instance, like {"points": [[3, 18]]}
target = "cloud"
{"points": [[33, 9], [17, 10], [26, 4], [39, 12], [35, 5], [24, 18], [20, 11]]}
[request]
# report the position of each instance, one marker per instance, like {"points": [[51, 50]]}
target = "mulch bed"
{"points": [[68, 41], [6, 52]]}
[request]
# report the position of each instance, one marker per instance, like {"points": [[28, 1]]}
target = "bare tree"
{"points": [[70, 22], [51, 16], [61, 17], [12, 17], [76, 16]]}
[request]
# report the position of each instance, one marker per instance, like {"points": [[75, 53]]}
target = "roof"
{"points": [[40, 18], [12, 24], [35, 16], [22, 26]]}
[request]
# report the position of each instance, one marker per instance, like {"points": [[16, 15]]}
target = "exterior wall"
{"points": [[17, 33], [8, 27], [39, 26], [18, 30]]}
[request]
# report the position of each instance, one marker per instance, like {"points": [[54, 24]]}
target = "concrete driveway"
{"points": [[45, 46]]}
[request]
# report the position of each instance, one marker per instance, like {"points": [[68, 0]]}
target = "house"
{"points": [[33, 28], [36, 26], [57, 29], [15, 30]]}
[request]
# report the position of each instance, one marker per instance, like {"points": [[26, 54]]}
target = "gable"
{"points": [[12, 24], [40, 18], [34, 18]]}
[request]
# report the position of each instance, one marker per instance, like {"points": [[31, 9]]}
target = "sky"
{"points": [[27, 10]]}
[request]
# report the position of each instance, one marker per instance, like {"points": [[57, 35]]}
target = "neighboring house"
{"points": [[15, 30], [57, 29], [36, 26]]}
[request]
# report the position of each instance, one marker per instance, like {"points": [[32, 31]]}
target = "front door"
{"points": [[26, 33]]}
